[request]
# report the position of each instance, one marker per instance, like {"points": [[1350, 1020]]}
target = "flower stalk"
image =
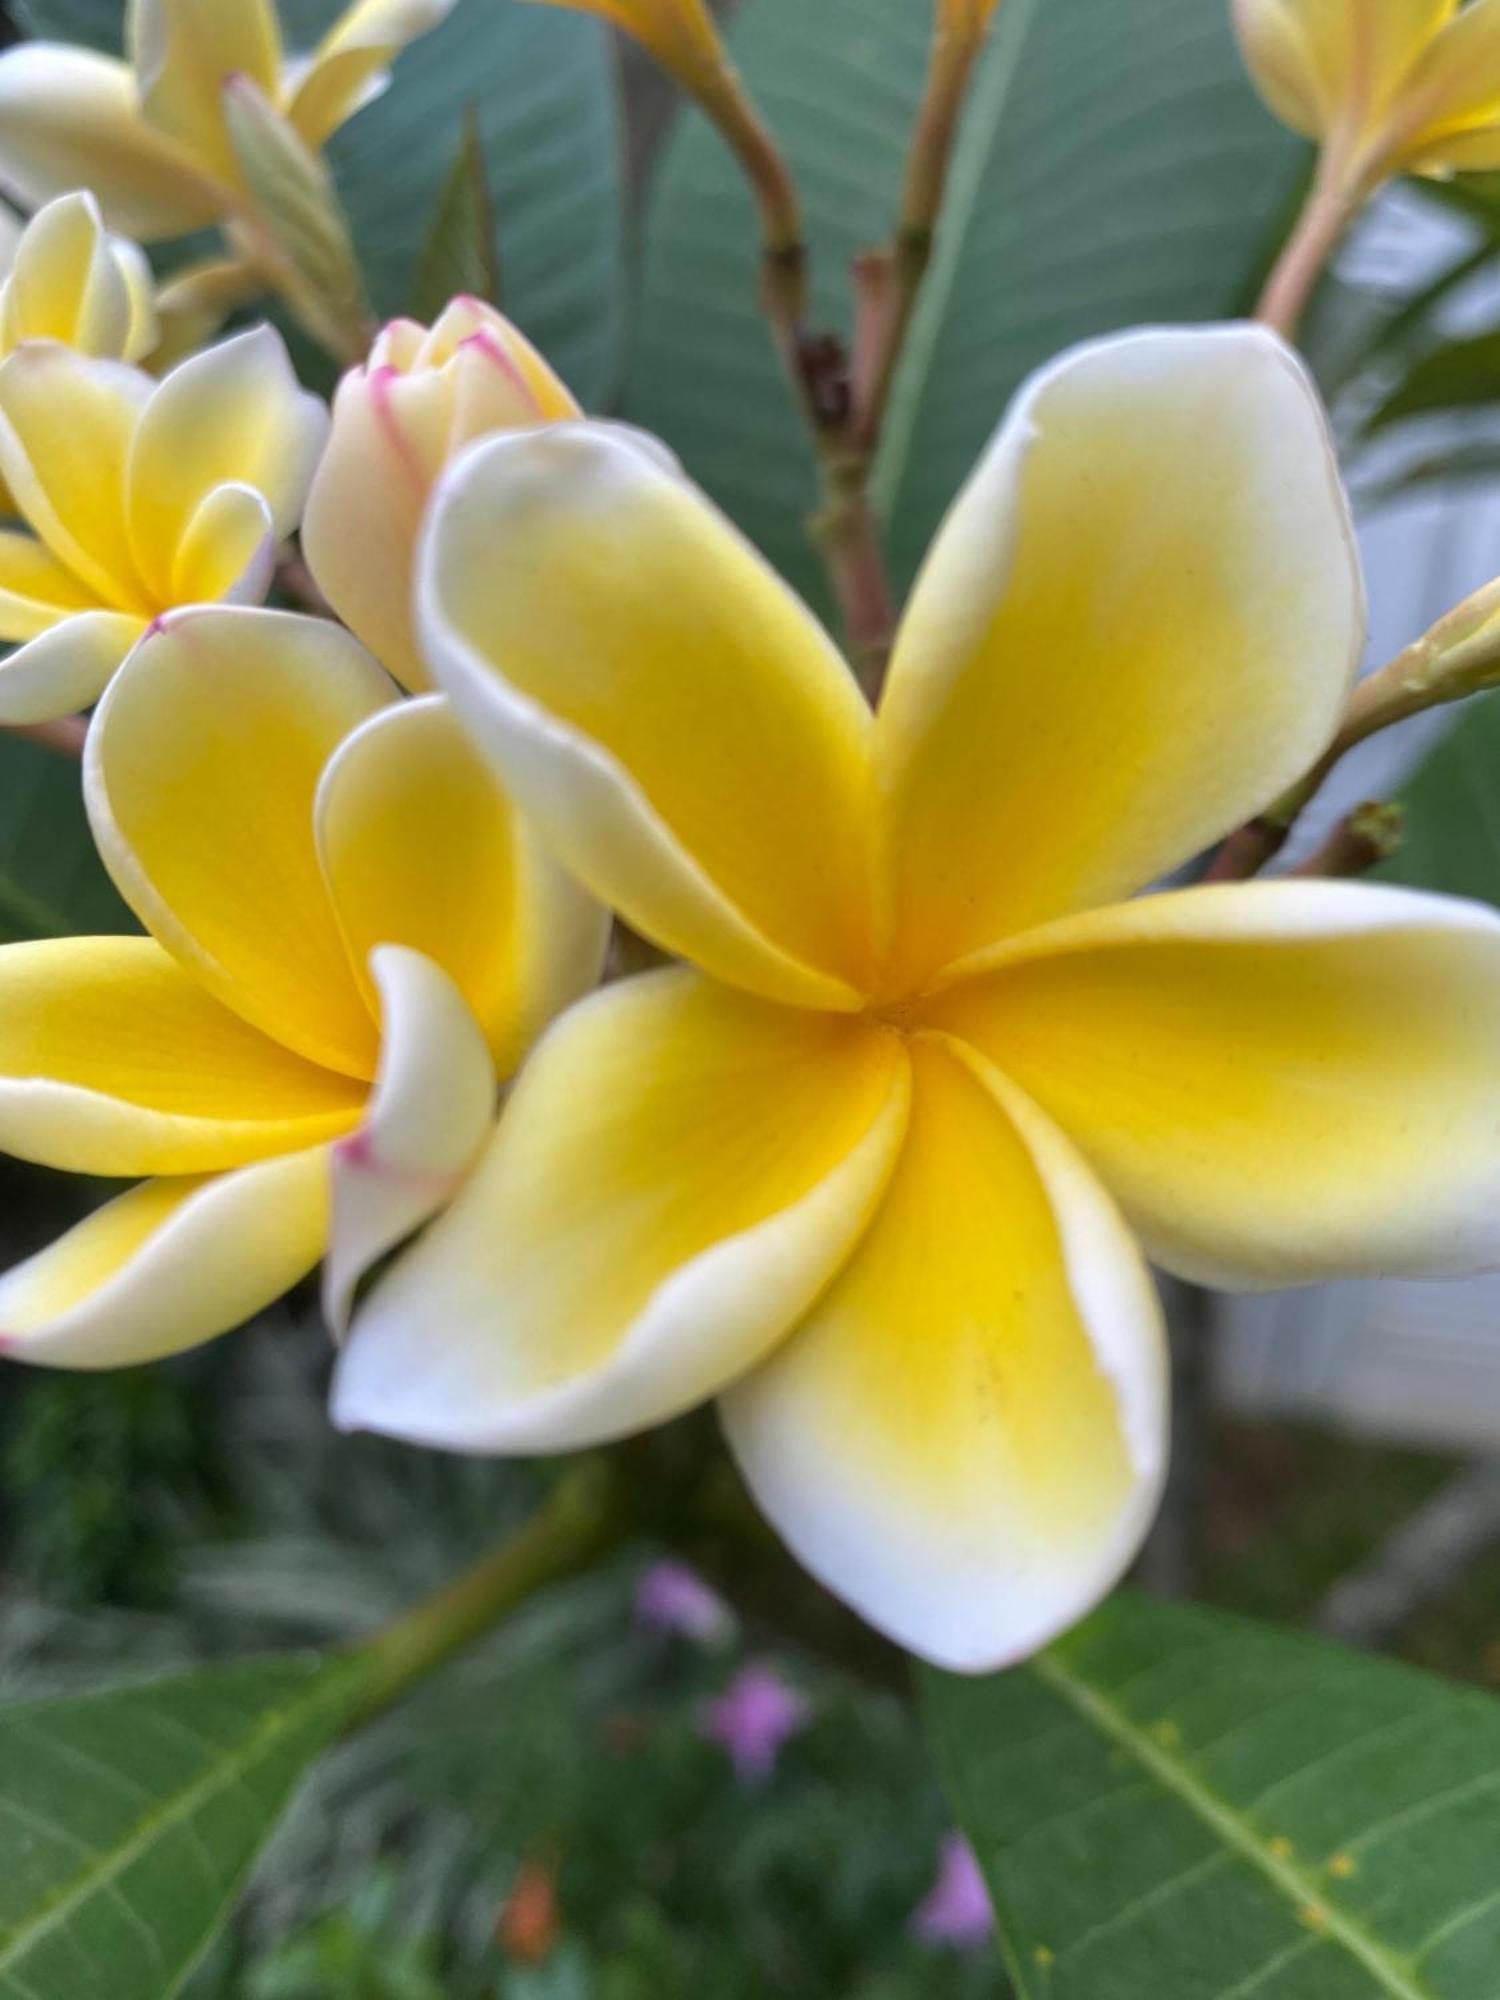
{"points": [[1330, 207]]}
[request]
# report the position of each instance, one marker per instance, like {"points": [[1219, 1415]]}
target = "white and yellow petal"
{"points": [[113, 1060], [1138, 624], [71, 119], [168, 1266], [429, 1114], [36, 590], [67, 426], [1451, 107], [679, 1171], [677, 724], [227, 554], [184, 52], [352, 64], [966, 1438], [422, 848], [232, 415], [1279, 1083], [201, 771], [67, 667], [72, 282]]}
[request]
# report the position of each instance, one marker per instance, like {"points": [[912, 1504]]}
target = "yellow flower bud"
{"points": [[69, 281], [423, 394]]}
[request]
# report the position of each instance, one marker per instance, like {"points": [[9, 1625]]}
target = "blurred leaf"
{"points": [[459, 256], [1452, 806], [548, 117], [1114, 167], [1171, 1801], [131, 1818], [52, 882], [1462, 375]]}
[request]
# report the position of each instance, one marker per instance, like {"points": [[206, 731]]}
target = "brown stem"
{"points": [[1361, 841], [65, 735], [1327, 213]]}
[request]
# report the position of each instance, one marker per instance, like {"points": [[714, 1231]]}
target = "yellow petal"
{"points": [[1280, 1083], [113, 1060], [352, 63], [429, 1114], [422, 396], [201, 770], [66, 668], [422, 848], [678, 1173], [1138, 624], [184, 52], [227, 553], [1453, 97], [168, 1266], [1336, 67], [71, 282], [36, 590], [70, 119], [679, 33], [965, 1440], [679, 726], [66, 429], [233, 414]]}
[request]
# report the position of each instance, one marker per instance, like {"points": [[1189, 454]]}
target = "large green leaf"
{"points": [[540, 81], [1452, 807], [1115, 167], [1175, 1805], [129, 1819], [52, 882]]}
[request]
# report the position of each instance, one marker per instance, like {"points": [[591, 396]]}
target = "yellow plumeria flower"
{"points": [[1386, 86], [423, 394], [139, 496], [680, 34], [351, 935], [68, 280], [148, 134], [874, 1166]]}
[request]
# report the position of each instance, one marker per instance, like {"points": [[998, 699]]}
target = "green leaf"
{"points": [[548, 116], [129, 1819], [52, 882], [460, 255], [1171, 1802], [1115, 167], [1463, 375], [1452, 807]]}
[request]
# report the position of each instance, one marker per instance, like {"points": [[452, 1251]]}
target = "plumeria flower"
{"points": [[139, 496], [68, 280], [956, 1911], [1385, 86], [680, 34], [878, 1165], [351, 935], [423, 394], [149, 134], [754, 1719]]}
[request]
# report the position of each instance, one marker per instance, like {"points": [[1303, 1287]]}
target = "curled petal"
{"points": [[352, 63], [679, 1171], [430, 1112], [184, 52], [678, 725], [201, 770], [1138, 624], [168, 1266], [71, 119], [66, 668], [422, 848], [234, 414], [36, 590], [73, 283], [228, 553], [113, 1060], [1279, 1083], [966, 1438]]}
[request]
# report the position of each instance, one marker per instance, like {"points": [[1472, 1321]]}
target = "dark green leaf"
{"points": [[1114, 167], [1175, 1805], [52, 882], [459, 255], [542, 81], [1463, 375], [130, 1818], [1452, 806]]}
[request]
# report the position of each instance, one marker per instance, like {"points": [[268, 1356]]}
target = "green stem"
{"points": [[583, 1518]]}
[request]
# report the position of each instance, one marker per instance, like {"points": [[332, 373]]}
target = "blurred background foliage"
{"points": [[550, 1821]]}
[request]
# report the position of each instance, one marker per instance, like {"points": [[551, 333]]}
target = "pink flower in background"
{"points": [[956, 1910], [756, 1714], [671, 1598]]}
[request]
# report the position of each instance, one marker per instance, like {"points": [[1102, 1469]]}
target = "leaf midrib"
{"points": [[112, 1862], [1302, 1891]]}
